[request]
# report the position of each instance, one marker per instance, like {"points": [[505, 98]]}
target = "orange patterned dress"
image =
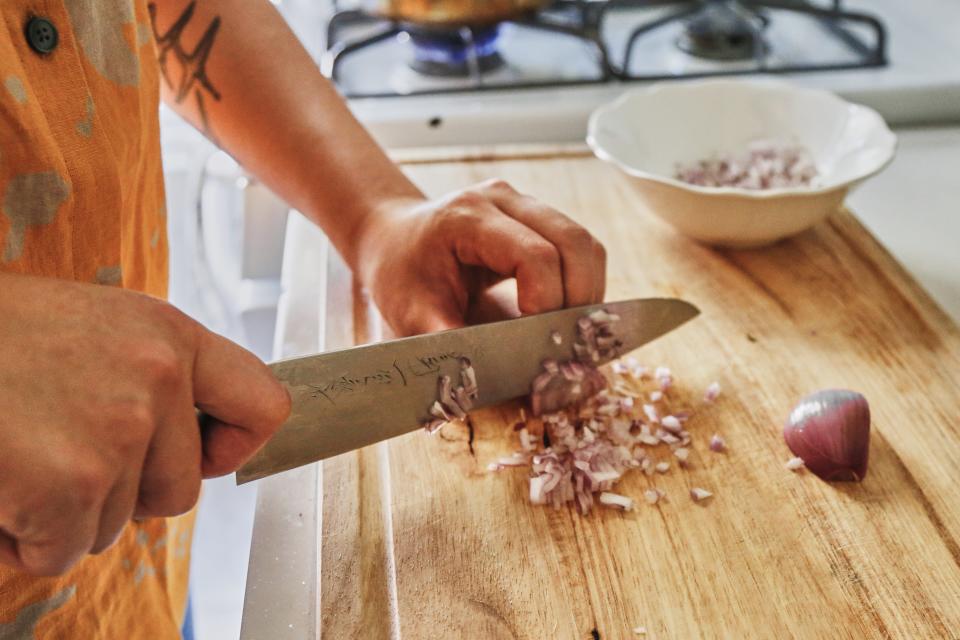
{"points": [[81, 198]]}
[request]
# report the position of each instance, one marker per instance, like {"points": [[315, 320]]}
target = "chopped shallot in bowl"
{"points": [[764, 164], [783, 159]]}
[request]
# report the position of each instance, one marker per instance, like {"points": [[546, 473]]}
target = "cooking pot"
{"points": [[451, 13]]}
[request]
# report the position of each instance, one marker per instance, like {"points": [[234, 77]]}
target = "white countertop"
{"points": [[913, 208]]}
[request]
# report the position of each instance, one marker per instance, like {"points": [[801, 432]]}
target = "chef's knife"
{"points": [[347, 399]]}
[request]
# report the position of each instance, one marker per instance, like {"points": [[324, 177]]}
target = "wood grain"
{"points": [[421, 542]]}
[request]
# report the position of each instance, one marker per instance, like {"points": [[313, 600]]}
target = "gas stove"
{"points": [[558, 47], [579, 42], [536, 79]]}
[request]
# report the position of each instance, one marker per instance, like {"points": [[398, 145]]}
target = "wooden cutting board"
{"points": [[420, 541]]}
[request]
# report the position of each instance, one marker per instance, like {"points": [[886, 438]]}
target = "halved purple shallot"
{"points": [[830, 430]]}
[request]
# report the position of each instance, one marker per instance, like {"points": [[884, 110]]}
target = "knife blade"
{"points": [[347, 399]]}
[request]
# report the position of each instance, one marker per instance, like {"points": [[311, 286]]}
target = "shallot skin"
{"points": [[830, 431]]}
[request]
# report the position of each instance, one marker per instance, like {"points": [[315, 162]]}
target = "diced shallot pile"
{"points": [[579, 453], [767, 164], [592, 429], [565, 384]]}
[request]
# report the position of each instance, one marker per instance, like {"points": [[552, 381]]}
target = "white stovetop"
{"points": [[920, 85]]}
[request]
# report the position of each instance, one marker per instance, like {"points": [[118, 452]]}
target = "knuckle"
{"points": [[542, 253], [458, 216], [166, 313], [135, 431], [468, 199], [138, 417], [579, 238], [91, 481], [448, 213], [537, 299], [159, 361], [498, 184], [131, 423]]}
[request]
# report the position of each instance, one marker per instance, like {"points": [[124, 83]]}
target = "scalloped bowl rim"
{"points": [[756, 194]]}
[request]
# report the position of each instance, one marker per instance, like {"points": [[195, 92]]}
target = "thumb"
{"points": [[245, 402]]}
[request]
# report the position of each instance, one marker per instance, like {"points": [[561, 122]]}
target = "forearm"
{"points": [[235, 70]]}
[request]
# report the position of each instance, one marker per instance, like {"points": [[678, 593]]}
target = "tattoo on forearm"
{"points": [[193, 79]]}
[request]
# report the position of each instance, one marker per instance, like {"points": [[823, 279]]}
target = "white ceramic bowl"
{"points": [[649, 132]]}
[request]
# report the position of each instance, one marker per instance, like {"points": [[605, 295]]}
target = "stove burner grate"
{"points": [[723, 30], [720, 30]]}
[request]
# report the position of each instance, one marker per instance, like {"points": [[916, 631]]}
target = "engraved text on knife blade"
{"points": [[396, 374]]}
